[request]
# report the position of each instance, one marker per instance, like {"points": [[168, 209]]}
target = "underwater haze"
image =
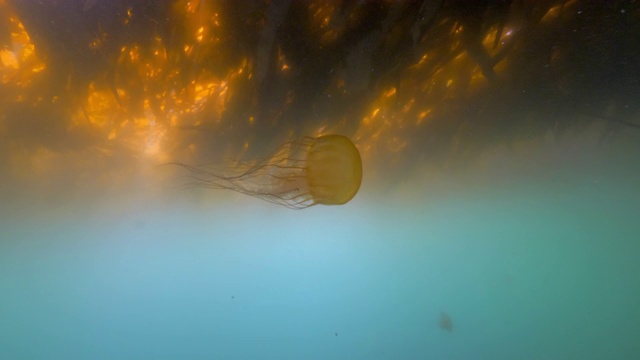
{"points": [[528, 270], [436, 179], [539, 270]]}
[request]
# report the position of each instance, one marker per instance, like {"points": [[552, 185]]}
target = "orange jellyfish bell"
{"points": [[334, 170], [324, 170]]}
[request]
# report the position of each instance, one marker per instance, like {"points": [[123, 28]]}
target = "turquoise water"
{"points": [[527, 271]]}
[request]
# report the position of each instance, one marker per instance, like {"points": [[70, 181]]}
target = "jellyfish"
{"points": [[323, 170]]}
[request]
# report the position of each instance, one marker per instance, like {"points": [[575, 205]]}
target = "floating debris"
{"points": [[445, 322]]}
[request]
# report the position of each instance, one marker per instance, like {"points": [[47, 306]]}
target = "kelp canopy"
{"points": [[123, 83]]}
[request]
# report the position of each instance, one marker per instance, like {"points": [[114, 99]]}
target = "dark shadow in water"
{"points": [[445, 322]]}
